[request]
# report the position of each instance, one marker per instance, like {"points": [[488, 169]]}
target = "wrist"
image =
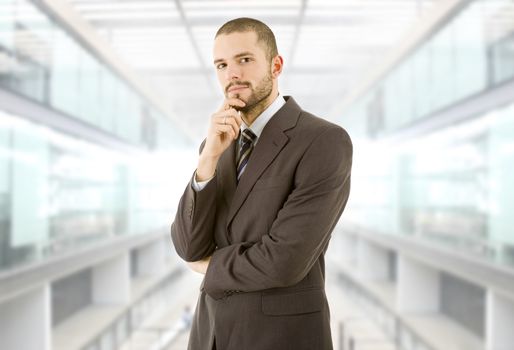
{"points": [[206, 167]]}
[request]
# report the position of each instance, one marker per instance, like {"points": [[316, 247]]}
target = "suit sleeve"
{"points": [[192, 231], [302, 229]]}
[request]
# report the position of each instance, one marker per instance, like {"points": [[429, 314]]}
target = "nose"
{"points": [[233, 72]]}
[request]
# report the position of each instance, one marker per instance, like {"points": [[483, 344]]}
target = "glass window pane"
{"points": [[89, 88], [64, 75], [499, 32], [470, 52], [7, 9], [443, 65]]}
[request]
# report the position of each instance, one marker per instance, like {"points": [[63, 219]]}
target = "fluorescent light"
{"points": [[148, 31], [364, 3], [122, 6], [243, 4], [236, 11], [132, 15]]}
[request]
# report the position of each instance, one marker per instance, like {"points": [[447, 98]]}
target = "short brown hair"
{"points": [[245, 24]]}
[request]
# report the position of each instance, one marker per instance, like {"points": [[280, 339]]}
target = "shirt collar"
{"points": [[260, 122]]}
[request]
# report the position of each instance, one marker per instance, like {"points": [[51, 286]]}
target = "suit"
{"points": [[265, 285]]}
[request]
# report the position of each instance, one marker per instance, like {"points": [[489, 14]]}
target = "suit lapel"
{"points": [[270, 143]]}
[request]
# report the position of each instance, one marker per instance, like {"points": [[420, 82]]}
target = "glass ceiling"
{"points": [[327, 45]]}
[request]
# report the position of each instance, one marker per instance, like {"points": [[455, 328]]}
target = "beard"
{"points": [[258, 95]]}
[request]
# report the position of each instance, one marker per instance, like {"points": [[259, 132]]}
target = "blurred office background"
{"points": [[103, 104]]}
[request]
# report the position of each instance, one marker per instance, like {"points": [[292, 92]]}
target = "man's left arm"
{"points": [[301, 231]]}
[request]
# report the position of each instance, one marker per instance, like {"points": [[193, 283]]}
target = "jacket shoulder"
{"points": [[313, 126]]}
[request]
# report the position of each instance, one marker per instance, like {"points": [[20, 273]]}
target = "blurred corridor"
{"points": [[103, 104]]}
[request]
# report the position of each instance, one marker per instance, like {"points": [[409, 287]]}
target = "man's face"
{"points": [[242, 68]]}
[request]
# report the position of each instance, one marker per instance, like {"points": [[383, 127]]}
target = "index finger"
{"points": [[235, 114], [233, 102], [239, 118]]}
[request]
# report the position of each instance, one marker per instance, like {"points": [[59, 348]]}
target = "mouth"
{"points": [[237, 88]]}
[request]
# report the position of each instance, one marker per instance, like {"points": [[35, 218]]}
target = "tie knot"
{"points": [[248, 135]]}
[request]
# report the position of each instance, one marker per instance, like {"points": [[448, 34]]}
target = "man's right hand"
{"points": [[223, 130]]}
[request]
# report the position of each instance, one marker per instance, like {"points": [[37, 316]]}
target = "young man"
{"points": [[271, 183]]}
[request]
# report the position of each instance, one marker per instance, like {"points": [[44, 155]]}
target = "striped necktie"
{"points": [[247, 142]]}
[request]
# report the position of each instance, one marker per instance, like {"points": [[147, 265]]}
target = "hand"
{"points": [[200, 266], [223, 130]]}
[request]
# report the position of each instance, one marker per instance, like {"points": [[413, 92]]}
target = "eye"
{"points": [[221, 66], [245, 59]]}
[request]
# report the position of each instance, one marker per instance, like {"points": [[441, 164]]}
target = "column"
{"points": [[372, 261], [25, 321], [151, 259], [111, 281], [499, 321], [418, 286]]}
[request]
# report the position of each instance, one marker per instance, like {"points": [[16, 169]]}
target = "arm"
{"points": [[301, 231], [192, 230]]}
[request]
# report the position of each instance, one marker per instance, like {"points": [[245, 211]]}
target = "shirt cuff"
{"points": [[200, 185]]}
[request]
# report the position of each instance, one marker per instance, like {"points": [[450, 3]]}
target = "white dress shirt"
{"points": [[257, 126]]}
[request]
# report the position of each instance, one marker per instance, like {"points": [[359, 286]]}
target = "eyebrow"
{"points": [[245, 53]]}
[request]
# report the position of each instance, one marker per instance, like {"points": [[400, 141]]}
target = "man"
{"points": [[271, 183]]}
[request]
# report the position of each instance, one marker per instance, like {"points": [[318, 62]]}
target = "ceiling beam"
{"points": [[336, 21], [195, 45], [298, 28]]}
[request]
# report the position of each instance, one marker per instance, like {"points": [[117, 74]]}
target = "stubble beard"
{"points": [[257, 99]]}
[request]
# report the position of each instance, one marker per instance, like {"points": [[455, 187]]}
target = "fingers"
{"points": [[227, 121], [226, 129], [199, 266], [239, 118], [232, 103], [234, 118]]}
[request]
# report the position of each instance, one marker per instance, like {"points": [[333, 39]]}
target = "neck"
{"points": [[250, 116]]}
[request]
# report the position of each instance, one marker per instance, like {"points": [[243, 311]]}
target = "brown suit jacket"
{"points": [[265, 285]]}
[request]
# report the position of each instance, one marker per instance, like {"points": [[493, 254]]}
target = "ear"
{"points": [[277, 63]]}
